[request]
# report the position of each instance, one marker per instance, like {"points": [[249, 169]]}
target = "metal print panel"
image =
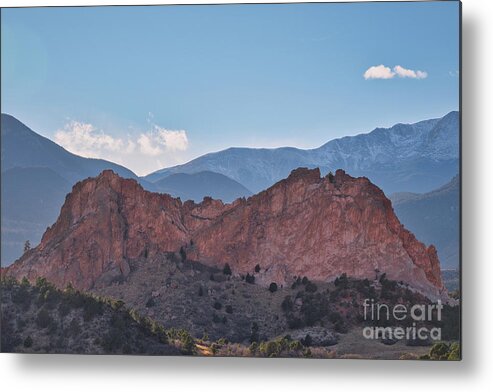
{"points": [[263, 180]]}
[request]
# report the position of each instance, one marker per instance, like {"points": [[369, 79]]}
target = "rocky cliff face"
{"points": [[304, 226]]}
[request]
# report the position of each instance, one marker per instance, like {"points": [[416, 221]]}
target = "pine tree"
{"points": [[27, 246]]}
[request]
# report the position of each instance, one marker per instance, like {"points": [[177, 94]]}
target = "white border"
{"points": [[474, 373]]}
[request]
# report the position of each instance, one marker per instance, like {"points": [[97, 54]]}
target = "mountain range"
{"points": [[416, 157], [37, 173], [434, 217], [196, 186], [22, 147]]}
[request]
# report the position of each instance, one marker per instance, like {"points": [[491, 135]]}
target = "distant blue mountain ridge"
{"points": [[198, 185], [22, 147], [434, 218], [416, 157], [37, 173]]}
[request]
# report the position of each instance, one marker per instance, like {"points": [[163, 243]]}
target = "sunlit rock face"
{"points": [[303, 225]]}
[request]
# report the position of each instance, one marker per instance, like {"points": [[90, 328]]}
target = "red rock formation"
{"points": [[304, 226]]}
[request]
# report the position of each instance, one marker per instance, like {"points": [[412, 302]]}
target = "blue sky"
{"points": [[155, 86]]}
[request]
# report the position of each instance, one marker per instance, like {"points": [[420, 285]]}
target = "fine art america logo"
{"points": [[380, 313]]}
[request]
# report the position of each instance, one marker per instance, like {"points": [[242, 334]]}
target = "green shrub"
{"points": [[253, 348], [311, 287], [217, 305], [443, 352], [41, 282], [92, 308], [439, 351], [307, 341], [76, 299], [287, 304], [296, 283], [342, 281], [187, 343], [274, 348], [43, 319], [296, 345], [150, 303], [227, 269], [28, 342], [250, 279], [116, 304], [183, 253], [273, 287], [454, 352], [254, 335], [269, 349]]}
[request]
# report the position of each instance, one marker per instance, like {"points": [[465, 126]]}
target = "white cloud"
{"points": [[383, 72], [172, 140], [147, 146], [378, 72], [160, 140], [148, 151], [83, 139], [409, 73]]}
